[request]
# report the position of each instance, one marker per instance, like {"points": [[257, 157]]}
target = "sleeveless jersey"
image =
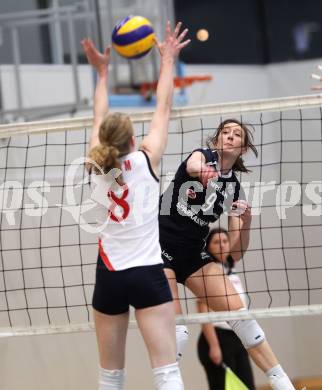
{"points": [[129, 236], [187, 208]]}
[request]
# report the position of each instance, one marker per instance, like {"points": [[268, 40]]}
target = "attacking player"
{"points": [[204, 187]]}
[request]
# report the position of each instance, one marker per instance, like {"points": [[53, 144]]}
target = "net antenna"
{"points": [[48, 249]]}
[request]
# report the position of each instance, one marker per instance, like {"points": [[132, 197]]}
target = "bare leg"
{"points": [[171, 276], [157, 325], [111, 333], [216, 290], [263, 356], [211, 286]]}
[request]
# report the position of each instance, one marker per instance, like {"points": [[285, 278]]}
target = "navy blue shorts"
{"points": [[140, 287], [183, 259]]}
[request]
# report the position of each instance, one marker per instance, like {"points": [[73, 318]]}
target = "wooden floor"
{"points": [[303, 383]]}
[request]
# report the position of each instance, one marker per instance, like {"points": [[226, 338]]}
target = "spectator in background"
{"points": [[217, 342]]}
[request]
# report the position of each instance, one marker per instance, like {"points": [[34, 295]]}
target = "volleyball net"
{"points": [[48, 235]]}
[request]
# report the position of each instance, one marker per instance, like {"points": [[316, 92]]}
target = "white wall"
{"points": [[237, 82], [70, 362], [44, 85]]}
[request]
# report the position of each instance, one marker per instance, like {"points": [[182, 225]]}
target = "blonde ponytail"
{"points": [[115, 136], [104, 157]]}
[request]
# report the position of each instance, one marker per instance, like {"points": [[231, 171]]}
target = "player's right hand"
{"points": [[215, 355], [98, 60], [207, 173]]}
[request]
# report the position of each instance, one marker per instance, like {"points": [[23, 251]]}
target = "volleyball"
{"points": [[133, 37]]}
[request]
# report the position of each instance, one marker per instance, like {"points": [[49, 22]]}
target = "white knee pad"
{"points": [[168, 377], [249, 332], [182, 336], [111, 379]]}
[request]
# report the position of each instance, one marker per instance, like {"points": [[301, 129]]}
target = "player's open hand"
{"points": [[173, 43], [98, 60]]}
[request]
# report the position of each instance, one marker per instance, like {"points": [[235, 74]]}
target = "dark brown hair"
{"points": [[230, 262], [248, 142]]}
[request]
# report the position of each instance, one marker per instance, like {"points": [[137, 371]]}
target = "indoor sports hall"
{"points": [[258, 61]]}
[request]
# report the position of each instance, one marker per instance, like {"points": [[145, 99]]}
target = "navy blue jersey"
{"points": [[187, 208]]}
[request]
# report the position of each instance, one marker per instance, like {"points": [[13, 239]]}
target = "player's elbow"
{"points": [[193, 168]]}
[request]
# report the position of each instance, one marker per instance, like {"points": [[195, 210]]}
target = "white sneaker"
{"points": [[282, 383]]}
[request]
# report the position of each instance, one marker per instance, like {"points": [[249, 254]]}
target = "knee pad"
{"points": [[248, 331], [111, 379], [182, 336], [168, 377]]}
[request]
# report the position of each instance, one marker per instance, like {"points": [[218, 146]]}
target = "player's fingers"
{"points": [[182, 35], [239, 207], [177, 29], [184, 44], [156, 40], [90, 47], [107, 50], [85, 43], [168, 29], [157, 43], [241, 202]]}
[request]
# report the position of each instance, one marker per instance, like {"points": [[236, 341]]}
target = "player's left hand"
{"points": [[173, 42], [242, 209]]}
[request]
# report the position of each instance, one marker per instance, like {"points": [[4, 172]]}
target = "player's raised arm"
{"points": [[155, 142], [100, 63]]}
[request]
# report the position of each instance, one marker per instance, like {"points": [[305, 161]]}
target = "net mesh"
{"points": [[48, 241]]}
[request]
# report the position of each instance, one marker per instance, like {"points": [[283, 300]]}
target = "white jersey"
{"points": [[129, 236], [236, 282]]}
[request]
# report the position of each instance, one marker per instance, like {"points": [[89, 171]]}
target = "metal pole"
{"points": [[73, 56], [88, 20], [56, 35], [116, 61], [17, 63], [100, 43]]}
